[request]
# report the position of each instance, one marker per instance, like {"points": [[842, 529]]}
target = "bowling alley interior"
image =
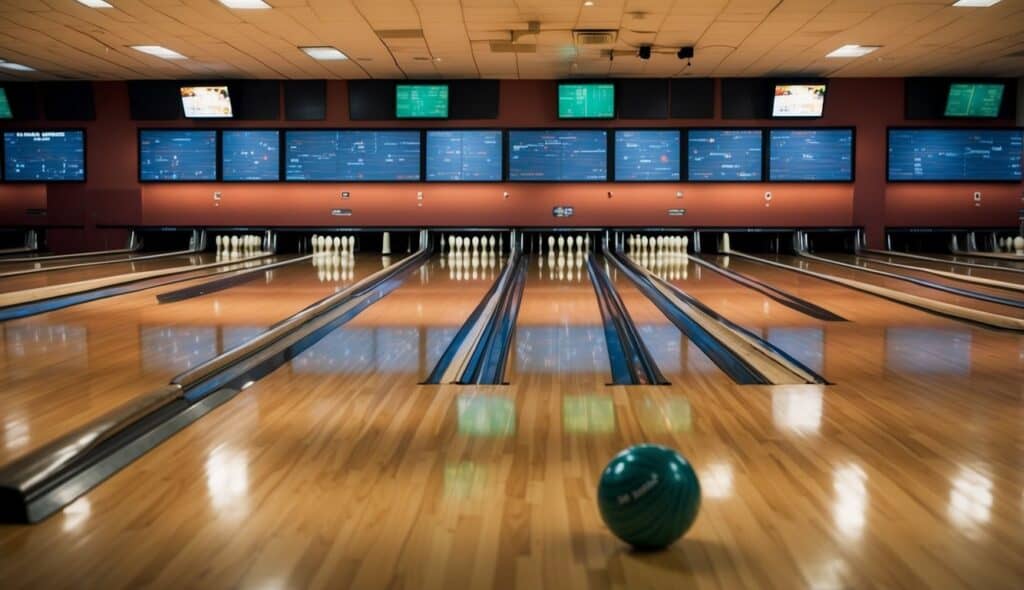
{"points": [[510, 294]]}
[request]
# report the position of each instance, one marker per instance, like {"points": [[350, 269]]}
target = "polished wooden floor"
{"points": [[340, 471]]}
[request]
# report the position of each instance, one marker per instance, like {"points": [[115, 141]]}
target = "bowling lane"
{"points": [[42, 262], [71, 275], [970, 271], [62, 369], [1000, 262], [893, 284], [871, 263]]}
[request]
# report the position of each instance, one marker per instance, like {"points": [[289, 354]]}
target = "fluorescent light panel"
{"points": [[324, 53], [10, 65], [853, 51], [158, 51], [975, 3], [245, 4], [95, 3]]}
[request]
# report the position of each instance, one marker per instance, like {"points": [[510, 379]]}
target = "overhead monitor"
{"points": [[206, 102], [974, 100], [250, 155], [558, 155], [798, 100], [5, 105], [177, 155], [48, 155], [810, 155], [649, 155], [586, 100], [421, 101], [352, 155], [464, 156], [955, 155], [724, 155]]}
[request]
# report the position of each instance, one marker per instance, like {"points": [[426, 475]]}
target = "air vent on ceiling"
{"points": [[590, 37], [510, 47], [400, 33]]}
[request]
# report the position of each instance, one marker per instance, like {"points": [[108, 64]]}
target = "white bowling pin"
{"points": [[490, 243], [561, 244], [337, 244], [586, 242], [386, 244], [1018, 245], [442, 243], [476, 244]]}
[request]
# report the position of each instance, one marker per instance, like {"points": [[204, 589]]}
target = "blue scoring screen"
{"points": [[724, 155], [647, 155], [54, 156], [250, 155], [177, 155], [810, 155], [565, 155], [464, 156], [353, 156], [992, 155]]}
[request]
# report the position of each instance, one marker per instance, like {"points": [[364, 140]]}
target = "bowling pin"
{"points": [[386, 244], [476, 244], [561, 244], [1018, 245], [442, 243], [551, 245], [490, 243]]}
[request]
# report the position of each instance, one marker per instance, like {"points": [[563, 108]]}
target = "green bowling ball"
{"points": [[649, 496]]}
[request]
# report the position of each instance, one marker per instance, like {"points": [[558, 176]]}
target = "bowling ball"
{"points": [[648, 496]]}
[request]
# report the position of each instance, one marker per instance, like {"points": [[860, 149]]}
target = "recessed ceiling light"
{"points": [[10, 65], [95, 3], [976, 3], [158, 51], [245, 4], [853, 51], [324, 53], [589, 3]]}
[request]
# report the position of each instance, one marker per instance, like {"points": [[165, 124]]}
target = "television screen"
{"points": [[810, 155], [974, 100], [558, 155], [5, 105], [586, 101], [466, 156], [421, 101], [44, 156], [352, 155], [648, 155], [250, 155], [724, 155], [206, 102], [177, 155], [798, 100], [955, 155]]}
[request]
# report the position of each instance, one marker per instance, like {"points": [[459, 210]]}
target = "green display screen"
{"points": [[421, 101], [5, 107], [974, 100], [586, 101]]}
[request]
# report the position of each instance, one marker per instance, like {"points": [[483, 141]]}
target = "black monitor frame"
{"points": [[85, 154]]}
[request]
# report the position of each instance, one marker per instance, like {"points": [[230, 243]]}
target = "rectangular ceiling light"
{"points": [[324, 53], [10, 65], [853, 51], [245, 4], [95, 3], [976, 3], [158, 51]]}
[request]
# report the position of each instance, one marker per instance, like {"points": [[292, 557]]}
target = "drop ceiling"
{"points": [[63, 39]]}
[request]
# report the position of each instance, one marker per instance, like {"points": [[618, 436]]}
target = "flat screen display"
{"points": [[421, 101], [44, 156], [955, 155], [562, 155], [354, 156], [464, 156], [206, 102], [810, 155], [586, 101], [177, 155], [5, 105], [250, 155], [648, 155], [724, 155], [798, 100], [974, 100]]}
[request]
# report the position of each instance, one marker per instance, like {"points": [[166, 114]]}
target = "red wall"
{"points": [[113, 197]]}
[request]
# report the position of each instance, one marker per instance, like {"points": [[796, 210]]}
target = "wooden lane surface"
{"points": [[1007, 289], [1001, 262], [62, 369], [14, 266], [73, 275], [994, 274], [360, 478]]}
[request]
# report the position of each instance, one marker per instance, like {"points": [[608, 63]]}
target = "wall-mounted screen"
{"points": [[564, 155], [724, 155], [650, 155], [5, 105], [44, 156], [974, 100], [810, 155], [206, 102], [955, 155], [177, 155], [464, 156], [421, 101], [354, 156], [250, 155], [798, 100], [586, 101]]}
